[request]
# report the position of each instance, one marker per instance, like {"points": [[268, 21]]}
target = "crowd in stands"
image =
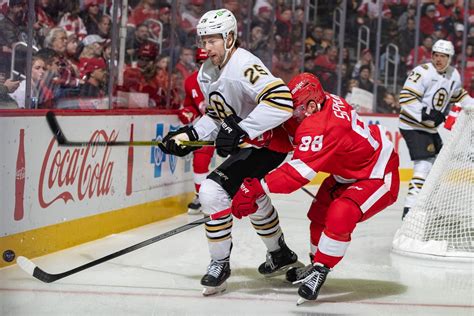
{"points": [[72, 47]]}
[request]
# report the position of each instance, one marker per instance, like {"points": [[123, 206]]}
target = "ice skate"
{"points": [[214, 281], [296, 274], [194, 208], [312, 283], [279, 261]]}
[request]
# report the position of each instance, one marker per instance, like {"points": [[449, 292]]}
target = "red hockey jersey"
{"points": [[335, 141]]}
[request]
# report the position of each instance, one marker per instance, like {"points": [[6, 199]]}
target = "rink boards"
{"points": [[55, 197]]}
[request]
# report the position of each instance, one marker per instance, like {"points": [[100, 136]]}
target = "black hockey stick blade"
{"points": [[62, 140], [32, 269]]}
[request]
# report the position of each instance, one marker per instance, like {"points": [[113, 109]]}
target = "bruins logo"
{"points": [[218, 107], [431, 148], [439, 99]]}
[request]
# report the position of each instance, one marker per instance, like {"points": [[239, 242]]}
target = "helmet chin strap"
{"points": [[227, 51]]}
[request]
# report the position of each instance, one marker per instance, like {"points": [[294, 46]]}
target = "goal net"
{"points": [[441, 224]]}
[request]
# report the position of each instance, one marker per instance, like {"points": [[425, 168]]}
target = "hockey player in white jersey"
{"points": [[246, 106], [426, 98]]}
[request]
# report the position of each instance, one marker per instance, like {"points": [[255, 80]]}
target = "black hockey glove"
{"points": [[169, 146], [229, 137], [436, 117]]}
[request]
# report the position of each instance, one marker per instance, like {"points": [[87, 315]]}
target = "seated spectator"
{"points": [[314, 42], [133, 43], [146, 9], [364, 80], [283, 30], [428, 20], [11, 29], [388, 105], [44, 20], [424, 53], [325, 68], [91, 16], [351, 84], [38, 70], [259, 45], [263, 17], [71, 22], [410, 13], [457, 37], [190, 18], [364, 60], [72, 50], [95, 72], [178, 35], [7, 86], [104, 27], [185, 64], [93, 46]]}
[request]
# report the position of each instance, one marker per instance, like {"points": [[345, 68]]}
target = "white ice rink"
{"points": [[163, 278]]}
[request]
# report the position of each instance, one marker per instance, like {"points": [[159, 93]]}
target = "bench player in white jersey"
{"points": [[426, 98], [246, 106], [364, 180]]}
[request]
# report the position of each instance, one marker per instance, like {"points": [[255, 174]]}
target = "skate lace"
{"points": [[269, 261], [215, 268], [312, 280], [302, 273]]}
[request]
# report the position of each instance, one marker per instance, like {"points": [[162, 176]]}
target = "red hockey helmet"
{"points": [[201, 54], [304, 89]]}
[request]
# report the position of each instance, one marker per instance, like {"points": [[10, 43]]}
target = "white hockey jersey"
{"points": [[426, 87], [245, 88]]}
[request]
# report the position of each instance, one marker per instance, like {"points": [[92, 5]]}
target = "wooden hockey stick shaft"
{"points": [[32, 269], [63, 141]]}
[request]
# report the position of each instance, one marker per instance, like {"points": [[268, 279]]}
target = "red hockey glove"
{"points": [[452, 116], [245, 200]]}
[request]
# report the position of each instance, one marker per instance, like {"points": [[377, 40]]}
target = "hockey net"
{"points": [[441, 224]]}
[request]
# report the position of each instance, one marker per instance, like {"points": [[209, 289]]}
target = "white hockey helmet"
{"points": [[444, 47], [220, 21]]}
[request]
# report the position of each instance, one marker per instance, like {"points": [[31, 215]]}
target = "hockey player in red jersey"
{"points": [[363, 167], [194, 107]]}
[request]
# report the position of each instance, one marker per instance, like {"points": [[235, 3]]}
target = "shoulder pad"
{"points": [[425, 66]]}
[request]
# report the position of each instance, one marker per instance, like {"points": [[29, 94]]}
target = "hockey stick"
{"points": [[32, 269], [63, 141]]}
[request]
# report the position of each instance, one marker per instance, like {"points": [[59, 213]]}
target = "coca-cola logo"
{"points": [[76, 173]]}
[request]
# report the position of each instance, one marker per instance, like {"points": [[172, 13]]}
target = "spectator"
{"points": [[7, 86], [428, 20], [314, 42], [365, 59], [93, 46], [44, 20], [283, 30], [351, 84], [325, 68], [189, 19], [388, 105], [328, 38], [11, 31], [72, 50], [410, 13], [48, 83], [424, 53], [71, 22], [407, 39], [259, 45], [133, 43], [146, 9], [91, 16], [104, 26], [186, 65], [66, 76], [179, 35], [38, 69], [456, 38], [95, 72], [364, 80], [263, 17]]}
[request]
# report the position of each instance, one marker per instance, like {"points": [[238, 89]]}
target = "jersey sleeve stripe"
{"points": [[272, 87], [303, 169], [459, 98], [411, 91], [408, 101], [278, 105]]}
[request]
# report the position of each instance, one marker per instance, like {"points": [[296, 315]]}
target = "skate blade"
{"points": [[283, 270], [212, 290], [192, 211], [300, 301]]}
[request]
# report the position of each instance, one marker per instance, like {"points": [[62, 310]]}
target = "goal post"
{"points": [[441, 224]]}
